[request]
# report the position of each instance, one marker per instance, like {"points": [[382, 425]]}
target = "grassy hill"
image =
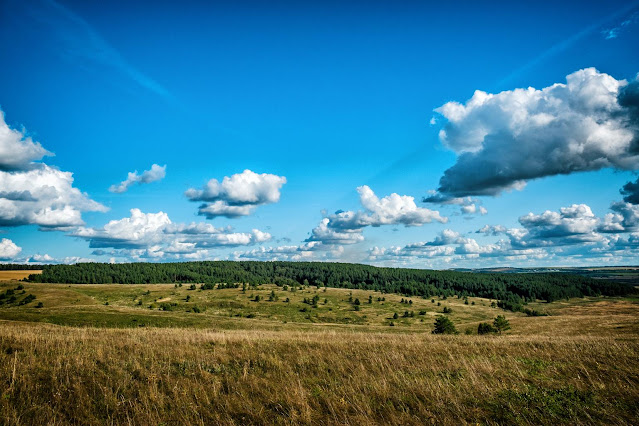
{"points": [[161, 354]]}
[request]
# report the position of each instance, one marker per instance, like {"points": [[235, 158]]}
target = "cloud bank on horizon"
{"points": [[502, 141]]}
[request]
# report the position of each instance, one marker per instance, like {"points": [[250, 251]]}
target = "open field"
{"points": [[17, 275], [135, 305], [238, 361]]}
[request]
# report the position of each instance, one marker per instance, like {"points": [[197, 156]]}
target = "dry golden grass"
{"points": [[17, 275], [60, 375], [580, 365]]}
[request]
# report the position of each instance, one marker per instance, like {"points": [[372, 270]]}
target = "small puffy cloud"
{"points": [[237, 195], [395, 209], [155, 236], [222, 209], [8, 249], [628, 214], [17, 151], [467, 205], [156, 173], [447, 236], [492, 230], [630, 192], [328, 234], [346, 227], [41, 258], [504, 140]]}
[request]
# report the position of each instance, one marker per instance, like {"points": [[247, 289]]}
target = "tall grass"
{"points": [[60, 375]]}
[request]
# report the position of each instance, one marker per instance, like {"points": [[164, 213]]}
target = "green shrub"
{"points": [[30, 298], [443, 325], [501, 323], [485, 328]]}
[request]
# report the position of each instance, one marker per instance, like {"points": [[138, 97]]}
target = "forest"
{"points": [[512, 291]]}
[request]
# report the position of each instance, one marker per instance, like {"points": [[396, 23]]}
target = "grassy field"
{"points": [[141, 354], [163, 305]]}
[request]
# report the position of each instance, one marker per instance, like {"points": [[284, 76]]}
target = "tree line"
{"points": [[18, 267], [512, 291]]}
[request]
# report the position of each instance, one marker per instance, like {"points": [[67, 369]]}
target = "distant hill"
{"points": [[512, 290]]}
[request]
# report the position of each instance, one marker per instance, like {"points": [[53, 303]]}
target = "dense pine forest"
{"points": [[19, 267], [511, 290]]}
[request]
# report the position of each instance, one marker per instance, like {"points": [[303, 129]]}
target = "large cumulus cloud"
{"points": [[43, 196], [36, 193], [237, 195], [504, 140]]}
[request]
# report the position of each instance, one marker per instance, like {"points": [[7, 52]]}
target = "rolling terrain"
{"points": [[174, 354]]}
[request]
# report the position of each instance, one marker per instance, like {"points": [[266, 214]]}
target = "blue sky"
{"points": [[299, 104]]}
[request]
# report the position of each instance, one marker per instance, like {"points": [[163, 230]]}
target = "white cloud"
{"points": [[395, 209], [329, 235], [155, 236], [343, 228], [156, 173], [35, 193], [467, 205], [8, 249], [40, 258], [447, 236], [573, 233], [311, 251], [505, 139], [222, 209], [575, 225], [346, 227], [628, 214], [47, 259], [42, 196], [237, 195], [17, 151]]}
